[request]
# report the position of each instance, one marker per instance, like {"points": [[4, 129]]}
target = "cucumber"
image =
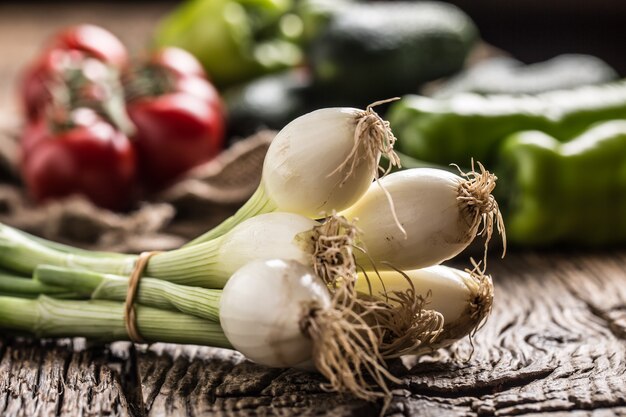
{"points": [[372, 51], [269, 102], [504, 75]]}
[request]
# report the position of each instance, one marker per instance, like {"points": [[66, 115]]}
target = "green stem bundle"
{"points": [[104, 321], [198, 302]]}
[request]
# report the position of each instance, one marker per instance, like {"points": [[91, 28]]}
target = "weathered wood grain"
{"points": [[55, 380], [554, 345]]}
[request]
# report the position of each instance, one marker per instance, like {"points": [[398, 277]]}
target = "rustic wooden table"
{"points": [[555, 343]]}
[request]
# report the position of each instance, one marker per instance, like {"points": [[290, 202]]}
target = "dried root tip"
{"points": [[407, 325], [476, 195], [480, 306], [372, 138], [402, 322], [475, 316], [378, 130], [381, 142], [333, 257], [346, 349]]}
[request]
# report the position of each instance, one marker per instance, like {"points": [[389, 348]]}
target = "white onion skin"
{"points": [[267, 236], [426, 204], [262, 306], [451, 290], [299, 169]]}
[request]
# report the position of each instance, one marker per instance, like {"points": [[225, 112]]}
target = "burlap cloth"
{"points": [[206, 196]]}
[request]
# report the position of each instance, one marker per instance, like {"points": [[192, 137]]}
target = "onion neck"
{"points": [[197, 265], [259, 203]]}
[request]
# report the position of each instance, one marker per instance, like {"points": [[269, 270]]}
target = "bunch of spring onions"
{"points": [[328, 266]]}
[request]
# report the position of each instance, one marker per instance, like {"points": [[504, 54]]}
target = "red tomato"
{"points": [[178, 62], [178, 115], [93, 41], [43, 75], [87, 49], [174, 133], [199, 87], [86, 155]]}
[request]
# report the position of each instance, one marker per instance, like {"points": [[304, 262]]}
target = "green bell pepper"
{"points": [[235, 40], [573, 192], [469, 125]]}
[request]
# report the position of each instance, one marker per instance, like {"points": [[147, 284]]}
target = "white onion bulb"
{"points": [[439, 224], [300, 173], [262, 307]]}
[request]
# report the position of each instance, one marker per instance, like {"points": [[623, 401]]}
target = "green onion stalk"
{"points": [[199, 302], [58, 302], [12, 285]]}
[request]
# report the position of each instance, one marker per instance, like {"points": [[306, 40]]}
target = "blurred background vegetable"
{"points": [[270, 101], [572, 192], [66, 59], [356, 53], [82, 100], [468, 126], [79, 152], [177, 115], [506, 75], [371, 51], [235, 40]]}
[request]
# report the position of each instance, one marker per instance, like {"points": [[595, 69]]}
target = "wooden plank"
{"points": [[543, 349], [55, 380]]}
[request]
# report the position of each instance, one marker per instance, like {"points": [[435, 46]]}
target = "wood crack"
{"points": [[130, 378], [65, 372], [3, 376], [478, 391]]}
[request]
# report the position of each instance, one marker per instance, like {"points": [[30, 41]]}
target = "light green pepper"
{"points": [[573, 192], [469, 126], [235, 39]]}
